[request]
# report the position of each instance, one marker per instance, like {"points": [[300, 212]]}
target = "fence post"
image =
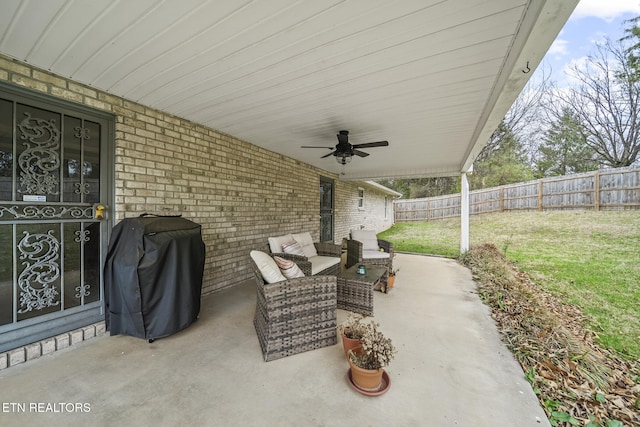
{"points": [[502, 199], [540, 196], [596, 191]]}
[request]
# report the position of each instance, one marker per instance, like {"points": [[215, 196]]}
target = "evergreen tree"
{"points": [[633, 51], [564, 149], [502, 161]]}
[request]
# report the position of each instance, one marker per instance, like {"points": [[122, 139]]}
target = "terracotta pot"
{"points": [[390, 281], [349, 343], [366, 379]]}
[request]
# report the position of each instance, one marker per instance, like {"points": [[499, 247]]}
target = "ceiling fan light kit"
{"points": [[343, 158]]}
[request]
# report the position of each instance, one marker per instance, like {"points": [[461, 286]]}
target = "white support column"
{"points": [[464, 214]]}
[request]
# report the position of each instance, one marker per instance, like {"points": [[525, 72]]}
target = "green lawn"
{"points": [[591, 259]]}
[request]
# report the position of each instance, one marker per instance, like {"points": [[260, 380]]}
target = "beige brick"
{"points": [[49, 78], [123, 111], [33, 351], [100, 329], [14, 67], [145, 133], [89, 332], [4, 361], [17, 356], [66, 94], [48, 346], [62, 341], [145, 118], [82, 89], [76, 336], [91, 102], [114, 101], [29, 83], [135, 138]]}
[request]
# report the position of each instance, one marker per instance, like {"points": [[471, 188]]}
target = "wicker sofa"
{"points": [[313, 258], [294, 315]]}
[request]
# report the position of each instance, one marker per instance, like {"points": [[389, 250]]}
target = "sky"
{"points": [[591, 21]]}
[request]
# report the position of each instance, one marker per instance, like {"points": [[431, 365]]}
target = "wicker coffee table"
{"points": [[355, 291]]}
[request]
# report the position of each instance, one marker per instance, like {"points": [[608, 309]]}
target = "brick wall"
{"points": [[350, 216], [238, 192]]}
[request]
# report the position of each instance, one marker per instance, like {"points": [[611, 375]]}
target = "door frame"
{"points": [[49, 325], [330, 212]]}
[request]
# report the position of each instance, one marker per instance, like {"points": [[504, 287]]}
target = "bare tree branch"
{"points": [[606, 99]]}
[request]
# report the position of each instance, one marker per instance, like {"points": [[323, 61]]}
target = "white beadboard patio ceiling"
{"points": [[433, 77]]}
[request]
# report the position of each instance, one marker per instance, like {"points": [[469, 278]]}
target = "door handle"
{"points": [[99, 211]]}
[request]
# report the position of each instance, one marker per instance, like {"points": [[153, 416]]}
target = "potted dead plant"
{"points": [[367, 361], [351, 330]]}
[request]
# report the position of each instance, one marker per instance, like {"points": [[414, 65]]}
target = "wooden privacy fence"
{"points": [[599, 190]]}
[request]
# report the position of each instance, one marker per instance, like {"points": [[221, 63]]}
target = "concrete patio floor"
{"points": [[451, 369]]}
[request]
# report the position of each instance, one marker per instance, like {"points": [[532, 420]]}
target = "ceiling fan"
{"points": [[344, 151]]}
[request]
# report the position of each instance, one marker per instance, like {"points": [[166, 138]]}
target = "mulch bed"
{"points": [[576, 381]]}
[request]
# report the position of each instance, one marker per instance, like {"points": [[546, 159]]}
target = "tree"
{"points": [[564, 149], [606, 100], [525, 116], [423, 187], [633, 51], [503, 161]]}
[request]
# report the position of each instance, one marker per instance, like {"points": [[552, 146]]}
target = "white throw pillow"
{"points": [[368, 239], [305, 240], [293, 248], [288, 268], [267, 266]]}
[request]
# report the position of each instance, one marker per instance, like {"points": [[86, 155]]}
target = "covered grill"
{"points": [[153, 276]]}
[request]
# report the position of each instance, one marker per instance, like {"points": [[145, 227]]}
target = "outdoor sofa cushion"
{"points": [[305, 240], [320, 263], [369, 240], [276, 243], [293, 248], [282, 245]]}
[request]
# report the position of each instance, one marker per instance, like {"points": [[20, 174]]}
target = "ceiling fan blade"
{"points": [[360, 153], [311, 146], [327, 155], [372, 144]]}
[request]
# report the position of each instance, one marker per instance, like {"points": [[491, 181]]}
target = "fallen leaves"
{"points": [[577, 381]]}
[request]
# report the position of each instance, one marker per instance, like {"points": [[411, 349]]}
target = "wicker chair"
{"points": [[356, 253], [296, 315]]}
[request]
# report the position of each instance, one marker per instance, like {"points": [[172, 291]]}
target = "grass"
{"points": [[590, 259]]}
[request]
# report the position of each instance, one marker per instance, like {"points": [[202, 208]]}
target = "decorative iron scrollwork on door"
{"points": [[45, 212], [41, 158], [82, 188], [41, 253]]}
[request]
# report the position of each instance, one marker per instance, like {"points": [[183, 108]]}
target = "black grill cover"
{"points": [[153, 276]]}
